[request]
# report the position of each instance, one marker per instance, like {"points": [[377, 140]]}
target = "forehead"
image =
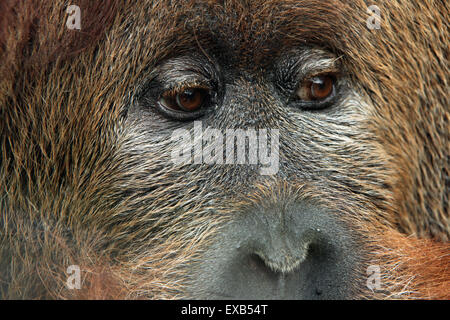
{"points": [[252, 31]]}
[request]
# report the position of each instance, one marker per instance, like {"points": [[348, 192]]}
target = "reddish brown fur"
{"points": [[421, 266], [46, 127]]}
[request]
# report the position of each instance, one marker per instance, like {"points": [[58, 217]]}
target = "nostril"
{"points": [[320, 250], [255, 267], [257, 264]]}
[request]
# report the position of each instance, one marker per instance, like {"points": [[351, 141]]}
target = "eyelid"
{"points": [[186, 69], [324, 62], [316, 73], [301, 65], [180, 87]]}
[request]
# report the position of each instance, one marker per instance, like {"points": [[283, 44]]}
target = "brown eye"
{"points": [[188, 100], [317, 88]]}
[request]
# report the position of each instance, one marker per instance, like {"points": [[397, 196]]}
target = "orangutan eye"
{"points": [[184, 104], [317, 88], [188, 100]]}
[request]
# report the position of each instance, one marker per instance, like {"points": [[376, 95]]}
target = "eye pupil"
{"points": [[321, 87], [317, 88], [187, 100], [191, 99]]}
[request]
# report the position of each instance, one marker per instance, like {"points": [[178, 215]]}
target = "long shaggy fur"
{"points": [[78, 186]]}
